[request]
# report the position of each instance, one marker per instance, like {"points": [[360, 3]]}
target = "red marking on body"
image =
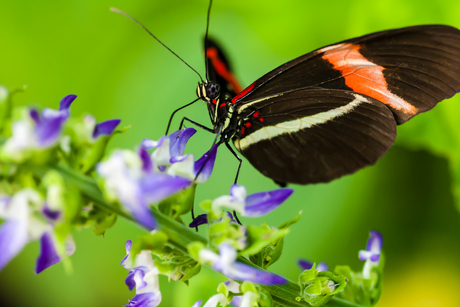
{"points": [[244, 92], [222, 69], [222, 104], [248, 125], [363, 76], [261, 119], [214, 101], [242, 130], [256, 114]]}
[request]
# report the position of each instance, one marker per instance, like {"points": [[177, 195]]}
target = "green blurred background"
{"points": [[118, 71]]}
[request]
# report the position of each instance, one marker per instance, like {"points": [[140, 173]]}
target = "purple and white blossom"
{"points": [[225, 263], [216, 300], [143, 274], [253, 205], [38, 131], [139, 179], [92, 130], [307, 265], [372, 253], [234, 287], [22, 224]]}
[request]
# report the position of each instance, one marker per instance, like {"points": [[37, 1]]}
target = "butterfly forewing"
{"points": [[410, 69]]}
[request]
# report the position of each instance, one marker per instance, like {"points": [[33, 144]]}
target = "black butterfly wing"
{"points": [[410, 70], [314, 135], [220, 70]]}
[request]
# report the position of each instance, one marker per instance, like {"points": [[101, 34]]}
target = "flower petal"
{"points": [[48, 254], [156, 187], [149, 144], [322, 266], [178, 141], [199, 220], [197, 304], [48, 130], [206, 170], [305, 264], [245, 272], [264, 202], [13, 237], [34, 115], [374, 244], [145, 300], [238, 192], [105, 128], [66, 102], [147, 164], [215, 300]]}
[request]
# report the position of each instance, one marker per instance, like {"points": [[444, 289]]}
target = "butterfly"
{"points": [[335, 110], [332, 111]]}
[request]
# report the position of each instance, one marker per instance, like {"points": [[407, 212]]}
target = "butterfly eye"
{"points": [[212, 90]]}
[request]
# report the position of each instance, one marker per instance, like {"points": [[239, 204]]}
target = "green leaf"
{"points": [[194, 270], [104, 223], [260, 237], [291, 222]]}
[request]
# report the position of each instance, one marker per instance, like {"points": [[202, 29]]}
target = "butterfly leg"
{"points": [[219, 132], [196, 124], [237, 173], [175, 111], [237, 157]]}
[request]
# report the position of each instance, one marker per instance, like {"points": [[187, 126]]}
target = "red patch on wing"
{"points": [[222, 69], [243, 93], [363, 76]]}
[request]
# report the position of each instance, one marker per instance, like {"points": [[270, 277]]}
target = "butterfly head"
{"points": [[208, 91]]}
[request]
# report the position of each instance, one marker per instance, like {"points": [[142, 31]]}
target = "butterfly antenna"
{"points": [[206, 40], [115, 10]]}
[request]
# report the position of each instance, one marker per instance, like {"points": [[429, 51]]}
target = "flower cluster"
{"points": [[139, 179], [52, 181], [36, 203]]}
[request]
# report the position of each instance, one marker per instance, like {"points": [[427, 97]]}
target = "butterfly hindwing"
{"points": [[315, 135]]}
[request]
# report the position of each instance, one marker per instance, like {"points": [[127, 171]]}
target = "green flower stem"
{"points": [[180, 235]]}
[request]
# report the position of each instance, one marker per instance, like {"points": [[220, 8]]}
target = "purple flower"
{"points": [[225, 263], [216, 300], [105, 128], [143, 274], [203, 219], [22, 226], [48, 125], [254, 205], [37, 131], [307, 265], [374, 247], [372, 253], [139, 179]]}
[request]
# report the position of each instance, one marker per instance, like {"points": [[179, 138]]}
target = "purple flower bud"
{"points": [[105, 128], [307, 265], [374, 247]]}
